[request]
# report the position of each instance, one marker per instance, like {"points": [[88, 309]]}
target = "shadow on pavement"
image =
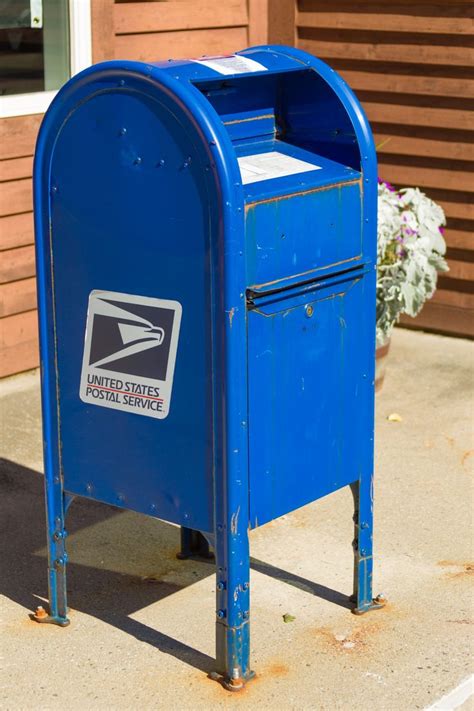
{"points": [[105, 594]]}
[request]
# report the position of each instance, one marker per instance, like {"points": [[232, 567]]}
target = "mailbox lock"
{"points": [[309, 310]]}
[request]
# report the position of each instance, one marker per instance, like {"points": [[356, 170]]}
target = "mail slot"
{"points": [[206, 246]]}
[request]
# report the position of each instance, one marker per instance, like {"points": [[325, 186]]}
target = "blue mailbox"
{"points": [[206, 249]]}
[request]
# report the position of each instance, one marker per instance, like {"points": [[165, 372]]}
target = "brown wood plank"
{"points": [[454, 7], [414, 146], [15, 168], [460, 270], [16, 231], [17, 297], [460, 239], [407, 115], [16, 196], [458, 210], [165, 45], [426, 177], [258, 22], [18, 136], [103, 30], [17, 264], [443, 318], [141, 17], [18, 343], [412, 83], [401, 51], [282, 22], [453, 298], [383, 21]]}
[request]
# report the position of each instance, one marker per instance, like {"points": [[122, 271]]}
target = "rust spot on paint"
{"points": [[301, 193], [466, 456], [231, 315]]}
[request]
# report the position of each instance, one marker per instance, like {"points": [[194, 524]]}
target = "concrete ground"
{"points": [[142, 623]]}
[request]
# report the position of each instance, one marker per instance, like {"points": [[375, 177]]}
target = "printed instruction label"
{"points": [[231, 64], [130, 352], [265, 166]]}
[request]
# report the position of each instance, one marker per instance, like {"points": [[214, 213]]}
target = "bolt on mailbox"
{"points": [[206, 250]]}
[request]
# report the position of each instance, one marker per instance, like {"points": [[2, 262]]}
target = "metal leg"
{"points": [[362, 545], [194, 545], [233, 609], [57, 556]]}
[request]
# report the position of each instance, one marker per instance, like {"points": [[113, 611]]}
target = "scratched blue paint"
{"points": [[137, 190]]}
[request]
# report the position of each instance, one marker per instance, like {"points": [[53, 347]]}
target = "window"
{"points": [[42, 44]]}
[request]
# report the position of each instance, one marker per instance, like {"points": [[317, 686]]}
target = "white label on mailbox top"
{"points": [[231, 64], [130, 352], [265, 166]]}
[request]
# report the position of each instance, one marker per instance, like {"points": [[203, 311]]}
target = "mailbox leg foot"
{"points": [[194, 545], [362, 545], [232, 645], [57, 556], [40, 615], [232, 605]]}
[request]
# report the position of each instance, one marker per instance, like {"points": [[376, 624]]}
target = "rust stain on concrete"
{"points": [[461, 570], [465, 457]]}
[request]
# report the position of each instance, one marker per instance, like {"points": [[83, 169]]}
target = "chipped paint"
{"points": [[234, 521], [231, 314], [249, 120], [289, 196]]}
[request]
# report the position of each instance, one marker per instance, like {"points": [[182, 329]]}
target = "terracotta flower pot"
{"points": [[381, 355]]}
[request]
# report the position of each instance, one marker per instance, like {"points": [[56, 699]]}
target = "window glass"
{"points": [[34, 45]]}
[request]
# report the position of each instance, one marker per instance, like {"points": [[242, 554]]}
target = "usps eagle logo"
{"points": [[129, 350]]}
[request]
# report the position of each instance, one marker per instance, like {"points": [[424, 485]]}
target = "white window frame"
{"points": [[80, 57]]}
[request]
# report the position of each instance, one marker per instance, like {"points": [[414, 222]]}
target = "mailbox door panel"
{"points": [[311, 363], [131, 213], [301, 232]]}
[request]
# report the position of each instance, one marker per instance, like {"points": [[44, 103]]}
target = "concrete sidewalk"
{"points": [[142, 623]]}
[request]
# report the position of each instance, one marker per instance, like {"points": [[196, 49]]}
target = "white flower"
{"points": [[410, 254]]}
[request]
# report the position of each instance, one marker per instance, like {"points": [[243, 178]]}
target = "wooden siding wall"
{"points": [[124, 30], [411, 64]]}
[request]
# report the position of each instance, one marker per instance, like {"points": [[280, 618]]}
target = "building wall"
{"points": [[410, 63], [144, 31]]}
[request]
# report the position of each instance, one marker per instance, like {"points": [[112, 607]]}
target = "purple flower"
{"points": [[388, 185], [442, 230]]}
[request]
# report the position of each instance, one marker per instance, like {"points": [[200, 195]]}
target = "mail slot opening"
{"points": [[296, 107]]}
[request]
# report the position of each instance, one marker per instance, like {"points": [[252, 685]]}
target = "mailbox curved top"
{"points": [[321, 112]]}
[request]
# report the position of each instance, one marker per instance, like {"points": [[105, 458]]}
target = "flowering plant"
{"points": [[411, 252]]}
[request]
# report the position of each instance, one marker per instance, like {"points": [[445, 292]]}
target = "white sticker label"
{"points": [[130, 352], [265, 166], [232, 64]]}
